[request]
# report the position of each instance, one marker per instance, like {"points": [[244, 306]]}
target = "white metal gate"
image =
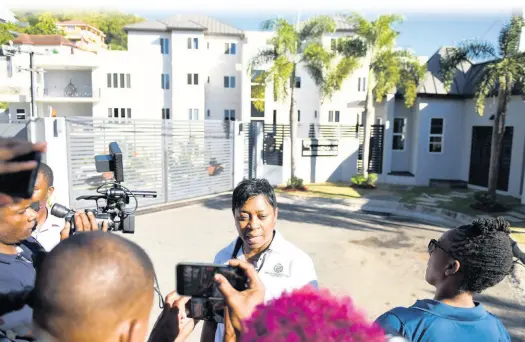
{"points": [[178, 159]]}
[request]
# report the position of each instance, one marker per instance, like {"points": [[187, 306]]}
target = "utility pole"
{"points": [[10, 51]]}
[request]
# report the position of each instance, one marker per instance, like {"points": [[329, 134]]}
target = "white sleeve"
{"points": [[304, 272]]}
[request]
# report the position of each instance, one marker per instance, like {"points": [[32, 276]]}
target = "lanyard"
{"points": [[238, 246]]}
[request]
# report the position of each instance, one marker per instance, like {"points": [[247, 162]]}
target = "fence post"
{"points": [[164, 132], [55, 134], [238, 151]]}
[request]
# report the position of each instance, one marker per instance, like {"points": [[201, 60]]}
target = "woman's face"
{"points": [[255, 222], [441, 263]]}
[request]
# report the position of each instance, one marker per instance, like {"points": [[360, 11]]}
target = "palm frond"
{"points": [[316, 60], [315, 28], [509, 37], [280, 74], [286, 39], [351, 47], [262, 58], [336, 76], [486, 86]]}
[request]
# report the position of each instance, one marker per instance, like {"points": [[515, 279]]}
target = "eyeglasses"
{"points": [[35, 206], [433, 244]]}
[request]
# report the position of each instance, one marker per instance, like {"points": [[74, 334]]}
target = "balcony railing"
{"points": [[76, 92]]}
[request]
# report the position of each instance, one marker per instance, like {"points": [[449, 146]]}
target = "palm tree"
{"points": [[294, 45], [503, 74], [388, 67]]}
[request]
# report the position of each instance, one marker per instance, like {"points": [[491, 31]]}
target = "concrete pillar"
{"points": [[57, 157], [238, 152], [287, 160], [390, 106]]}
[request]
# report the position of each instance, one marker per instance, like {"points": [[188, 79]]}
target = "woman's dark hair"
{"points": [[249, 188], [484, 251]]}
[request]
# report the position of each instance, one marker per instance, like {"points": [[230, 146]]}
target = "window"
{"points": [[208, 113], [193, 114], [122, 80], [193, 43], [164, 46], [229, 81], [208, 44], [193, 79], [435, 143], [128, 81], [128, 112], [110, 112], [20, 114], [109, 80], [115, 112], [208, 79], [333, 44], [255, 74], [333, 116], [165, 81], [230, 49], [165, 113], [315, 114], [229, 114], [122, 112], [298, 116], [361, 84], [298, 82], [379, 121], [274, 116], [398, 135], [115, 80]]}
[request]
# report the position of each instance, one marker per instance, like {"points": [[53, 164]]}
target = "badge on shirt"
{"points": [[278, 265]]}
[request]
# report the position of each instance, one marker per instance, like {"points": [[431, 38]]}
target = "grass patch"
{"points": [[329, 190], [457, 204], [518, 235]]}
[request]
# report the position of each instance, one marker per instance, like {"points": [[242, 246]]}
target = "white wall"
{"points": [[67, 109], [445, 165], [338, 168], [55, 81], [516, 119], [402, 160], [218, 66]]}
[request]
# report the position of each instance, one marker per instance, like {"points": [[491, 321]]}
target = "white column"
{"points": [[390, 105], [238, 152], [57, 157]]}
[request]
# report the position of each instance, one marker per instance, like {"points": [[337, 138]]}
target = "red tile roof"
{"points": [[44, 39]]}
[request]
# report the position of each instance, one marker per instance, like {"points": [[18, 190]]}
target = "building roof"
{"points": [[79, 23], [203, 23], [30, 39]]}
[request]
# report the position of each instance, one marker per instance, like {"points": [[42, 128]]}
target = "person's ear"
{"points": [[50, 191], [276, 213], [452, 267], [132, 331]]}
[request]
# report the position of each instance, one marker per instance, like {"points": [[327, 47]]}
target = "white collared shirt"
{"points": [[48, 234], [283, 268]]}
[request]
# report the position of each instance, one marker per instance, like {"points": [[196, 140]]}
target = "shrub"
{"points": [[295, 183], [372, 179], [485, 198], [359, 180]]}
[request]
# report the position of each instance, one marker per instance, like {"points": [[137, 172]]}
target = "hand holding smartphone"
{"points": [[196, 280]]}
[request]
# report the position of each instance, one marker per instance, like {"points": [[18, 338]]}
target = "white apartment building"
{"points": [[184, 67]]}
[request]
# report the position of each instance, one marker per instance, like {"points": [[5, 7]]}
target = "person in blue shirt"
{"points": [[464, 261]]}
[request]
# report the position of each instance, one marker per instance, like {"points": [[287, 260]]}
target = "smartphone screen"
{"points": [[196, 280], [206, 309], [21, 184]]}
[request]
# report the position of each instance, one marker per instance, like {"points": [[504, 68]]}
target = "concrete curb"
{"points": [[429, 214]]}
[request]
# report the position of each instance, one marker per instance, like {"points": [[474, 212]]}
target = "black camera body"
{"points": [[115, 196]]}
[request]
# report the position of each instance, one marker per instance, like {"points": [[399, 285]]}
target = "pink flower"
{"points": [[312, 315]]}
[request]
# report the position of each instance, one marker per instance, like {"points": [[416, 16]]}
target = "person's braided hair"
{"points": [[484, 251]]}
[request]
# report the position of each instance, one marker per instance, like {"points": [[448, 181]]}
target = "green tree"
{"points": [[302, 45], [505, 73], [388, 68], [46, 23], [5, 35]]}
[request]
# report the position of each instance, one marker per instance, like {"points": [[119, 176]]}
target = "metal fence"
{"points": [[178, 159]]}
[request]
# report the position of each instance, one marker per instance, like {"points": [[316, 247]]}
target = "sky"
{"points": [[422, 32]]}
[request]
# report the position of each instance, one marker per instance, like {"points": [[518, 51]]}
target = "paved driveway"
{"points": [[379, 261]]}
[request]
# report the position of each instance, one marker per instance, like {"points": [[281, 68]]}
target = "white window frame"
{"points": [[192, 79], [431, 135], [402, 134], [229, 114], [228, 49], [194, 114], [193, 43], [231, 82], [333, 113]]}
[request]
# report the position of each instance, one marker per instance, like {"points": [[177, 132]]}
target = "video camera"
{"points": [[115, 195]]}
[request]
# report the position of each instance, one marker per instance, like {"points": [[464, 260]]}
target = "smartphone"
{"points": [[196, 279], [21, 184], [206, 309]]}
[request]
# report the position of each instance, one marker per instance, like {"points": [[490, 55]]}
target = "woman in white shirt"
{"points": [[281, 265]]}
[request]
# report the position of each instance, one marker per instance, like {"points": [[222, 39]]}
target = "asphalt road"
{"points": [[379, 261]]}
